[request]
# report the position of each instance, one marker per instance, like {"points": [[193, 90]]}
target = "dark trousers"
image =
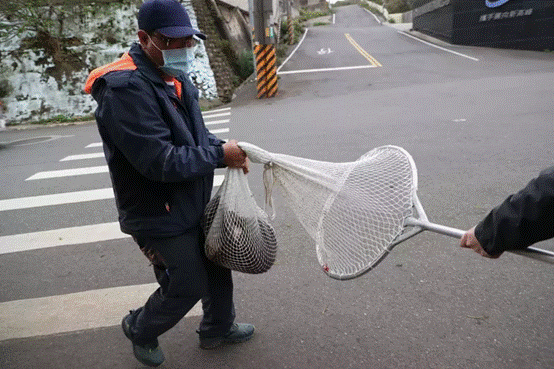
{"points": [[185, 276]]}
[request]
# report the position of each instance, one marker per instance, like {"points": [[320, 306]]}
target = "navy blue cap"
{"points": [[167, 17]]}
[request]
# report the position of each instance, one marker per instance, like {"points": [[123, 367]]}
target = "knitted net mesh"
{"points": [[238, 233], [353, 211]]}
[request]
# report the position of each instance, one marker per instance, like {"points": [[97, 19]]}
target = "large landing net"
{"points": [[354, 211]]}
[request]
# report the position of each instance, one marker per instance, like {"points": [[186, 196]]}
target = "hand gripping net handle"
{"points": [[530, 252]]}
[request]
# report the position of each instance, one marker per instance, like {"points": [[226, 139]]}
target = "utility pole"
{"points": [[264, 49], [289, 21]]}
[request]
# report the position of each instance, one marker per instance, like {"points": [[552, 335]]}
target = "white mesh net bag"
{"points": [[238, 233], [354, 211]]}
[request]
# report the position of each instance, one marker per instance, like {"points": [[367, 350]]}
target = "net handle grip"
{"points": [[530, 252]]}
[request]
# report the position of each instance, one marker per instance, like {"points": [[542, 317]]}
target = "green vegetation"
{"points": [[64, 119], [397, 6], [369, 8], [345, 3], [392, 6], [298, 30], [245, 64], [5, 86], [311, 14]]}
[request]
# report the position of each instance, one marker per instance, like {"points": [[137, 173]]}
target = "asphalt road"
{"points": [[478, 123]]}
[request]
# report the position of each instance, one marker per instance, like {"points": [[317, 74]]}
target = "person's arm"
{"points": [[519, 221], [134, 121]]}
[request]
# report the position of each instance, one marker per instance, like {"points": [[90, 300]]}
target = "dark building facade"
{"points": [[514, 24]]}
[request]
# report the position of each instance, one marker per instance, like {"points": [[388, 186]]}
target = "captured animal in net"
{"points": [[238, 233]]}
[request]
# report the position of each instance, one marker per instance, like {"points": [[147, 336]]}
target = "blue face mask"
{"points": [[177, 61]]}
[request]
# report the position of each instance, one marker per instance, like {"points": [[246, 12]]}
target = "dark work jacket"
{"points": [[522, 219], [160, 155]]}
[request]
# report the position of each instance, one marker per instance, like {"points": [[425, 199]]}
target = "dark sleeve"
{"points": [[191, 100], [522, 219], [131, 116]]}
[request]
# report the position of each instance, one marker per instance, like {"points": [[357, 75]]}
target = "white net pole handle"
{"points": [[437, 228], [530, 252]]}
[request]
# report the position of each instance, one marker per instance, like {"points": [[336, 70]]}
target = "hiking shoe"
{"points": [[237, 334], [150, 354]]}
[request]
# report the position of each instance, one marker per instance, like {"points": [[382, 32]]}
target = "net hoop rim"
{"points": [[387, 250]]}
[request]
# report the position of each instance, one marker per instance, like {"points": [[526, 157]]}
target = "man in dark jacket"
{"points": [[162, 160], [519, 221]]}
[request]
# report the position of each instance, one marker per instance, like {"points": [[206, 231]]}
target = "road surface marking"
{"points": [[84, 156], [218, 131], [68, 172], [217, 122], [324, 51], [217, 115], [94, 144], [326, 69], [73, 312], [293, 51], [216, 110], [68, 197], [56, 199], [374, 16], [438, 47], [61, 237], [88, 170], [364, 53]]}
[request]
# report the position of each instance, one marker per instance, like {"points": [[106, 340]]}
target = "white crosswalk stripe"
{"points": [[217, 122], [56, 199], [221, 130], [84, 156], [87, 309], [61, 237], [68, 172]]}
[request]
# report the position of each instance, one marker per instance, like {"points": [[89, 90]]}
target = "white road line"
{"points": [[439, 47], [94, 144], [68, 197], [217, 131], [216, 110], [217, 122], [56, 199], [61, 237], [216, 115], [68, 172], [374, 16], [293, 51], [84, 156], [73, 312], [327, 69]]}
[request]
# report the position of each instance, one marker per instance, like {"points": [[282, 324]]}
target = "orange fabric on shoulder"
{"points": [[124, 63]]}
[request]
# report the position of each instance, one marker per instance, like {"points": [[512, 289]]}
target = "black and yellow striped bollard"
{"points": [[266, 70]]}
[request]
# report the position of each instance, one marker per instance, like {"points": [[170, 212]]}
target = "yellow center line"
{"points": [[364, 53]]}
